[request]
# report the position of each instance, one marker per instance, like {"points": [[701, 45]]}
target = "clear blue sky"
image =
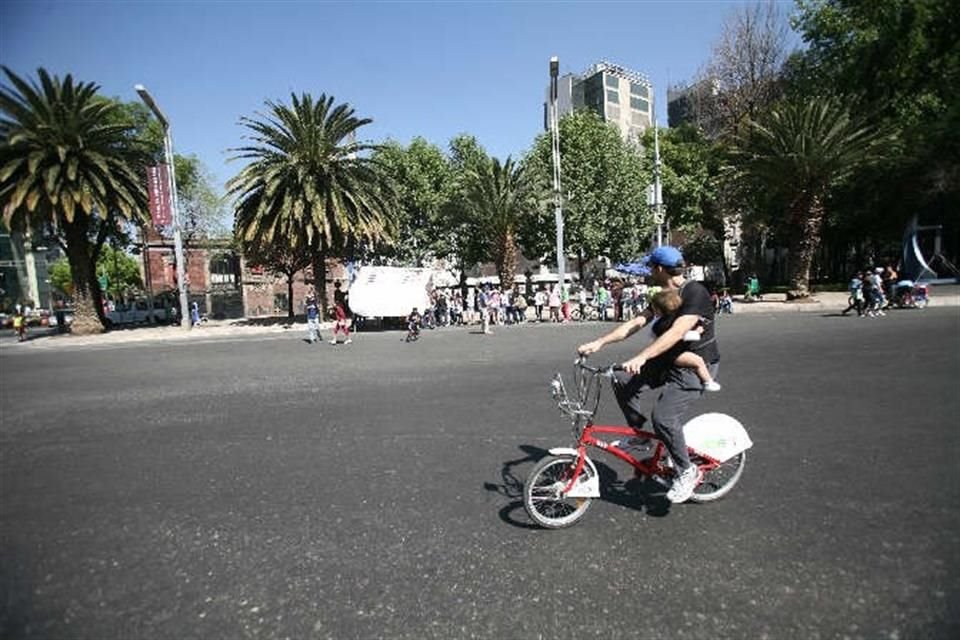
{"points": [[416, 68]]}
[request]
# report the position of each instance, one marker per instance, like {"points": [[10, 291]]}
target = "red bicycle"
{"points": [[561, 486]]}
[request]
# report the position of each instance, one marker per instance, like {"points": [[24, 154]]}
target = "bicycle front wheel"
{"points": [[542, 497], [718, 482]]}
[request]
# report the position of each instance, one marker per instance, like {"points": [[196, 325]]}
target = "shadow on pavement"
{"points": [[647, 495], [272, 321], [511, 486]]}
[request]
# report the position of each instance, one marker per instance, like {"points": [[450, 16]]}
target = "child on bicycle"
{"points": [[665, 304], [413, 325]]}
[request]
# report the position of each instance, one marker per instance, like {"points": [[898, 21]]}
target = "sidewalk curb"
{"points": [[832, 303]]}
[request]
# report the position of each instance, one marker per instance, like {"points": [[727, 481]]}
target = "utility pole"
{"points": [[555, 137], [174, 204], [655, 192]]}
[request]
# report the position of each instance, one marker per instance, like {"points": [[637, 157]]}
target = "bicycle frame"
{"points": [[651, 466]]}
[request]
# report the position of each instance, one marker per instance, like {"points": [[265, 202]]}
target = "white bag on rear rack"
{"points": [[717, 436]]}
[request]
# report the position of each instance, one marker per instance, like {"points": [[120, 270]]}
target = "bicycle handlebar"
{"points": [[607, 370]]}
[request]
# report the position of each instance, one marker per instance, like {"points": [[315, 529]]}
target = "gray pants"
{"points": [[678, 388], [313, 329]]}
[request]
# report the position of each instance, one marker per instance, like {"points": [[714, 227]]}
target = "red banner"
{"points": [[158, 184]]}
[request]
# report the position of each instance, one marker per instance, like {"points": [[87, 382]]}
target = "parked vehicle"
{"points": [[137, 312]]}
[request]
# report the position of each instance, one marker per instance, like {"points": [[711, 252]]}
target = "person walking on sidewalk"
{"points": [[654, 368], [340, 324], [313, 319]]}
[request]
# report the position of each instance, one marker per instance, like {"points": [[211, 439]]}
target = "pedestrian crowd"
{"points": [[873, 290]]}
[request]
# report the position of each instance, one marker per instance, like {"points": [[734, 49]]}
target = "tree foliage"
{"points": [[897, 60], [280, 260], [120, 268], [67, 158], [798, 153], [603, 180], [466, 158], [423, 180], [499, 198], [309, 183]]}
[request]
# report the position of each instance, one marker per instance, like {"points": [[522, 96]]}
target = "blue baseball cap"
{"points": [[666, 256]]}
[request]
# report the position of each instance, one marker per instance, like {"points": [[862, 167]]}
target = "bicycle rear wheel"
{"points": [[718, 482], [542, 496]]}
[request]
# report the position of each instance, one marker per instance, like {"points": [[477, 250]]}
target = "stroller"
{"points": [[910, 295]]}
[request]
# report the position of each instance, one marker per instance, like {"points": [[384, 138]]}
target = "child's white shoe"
{"points": [[712, 385], [691, 336]]}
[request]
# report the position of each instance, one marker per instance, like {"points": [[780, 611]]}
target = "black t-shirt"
{"points": [[695, 301]]}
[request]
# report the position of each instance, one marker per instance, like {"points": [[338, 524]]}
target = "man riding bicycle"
{"points": [[654, 366]]}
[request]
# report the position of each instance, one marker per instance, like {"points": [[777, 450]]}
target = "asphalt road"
{"points": [[267, 488]]}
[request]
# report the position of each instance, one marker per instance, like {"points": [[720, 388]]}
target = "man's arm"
{"points": [[662, 344], [622, 332]]}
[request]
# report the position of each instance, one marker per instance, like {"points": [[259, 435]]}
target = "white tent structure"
{"points": [[390, 292]]}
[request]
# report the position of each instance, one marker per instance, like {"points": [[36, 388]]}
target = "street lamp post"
{"points": [[656, 195], [555, 138], [174, 203]]}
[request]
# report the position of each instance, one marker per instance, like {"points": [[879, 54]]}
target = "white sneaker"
{"points": [[349, 340], [334, 341], [684, 484], [712, 385]]}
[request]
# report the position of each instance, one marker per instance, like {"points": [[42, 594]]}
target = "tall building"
{"points": [[618, 95], [695, 104]]}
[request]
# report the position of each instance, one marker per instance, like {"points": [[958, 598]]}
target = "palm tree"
{"points": [[307, 184], [798, 152], [66, 158], [497, 199]]}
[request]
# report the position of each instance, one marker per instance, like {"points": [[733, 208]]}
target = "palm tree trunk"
{"points": [[320, 279], [808, 214], [506, 254], [88, 313]]}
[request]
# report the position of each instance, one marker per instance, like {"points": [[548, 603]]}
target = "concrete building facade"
{"points": [[619, 95]]}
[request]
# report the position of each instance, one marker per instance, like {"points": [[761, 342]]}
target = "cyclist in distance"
{"points": [[654, 366]]}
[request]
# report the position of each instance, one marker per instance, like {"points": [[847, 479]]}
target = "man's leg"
{"points": [[669, 410], [628, 388]]}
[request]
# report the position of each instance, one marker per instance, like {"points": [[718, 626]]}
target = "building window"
{"points": [[613, 82], [280, 302], [639, 104], [223, 269], [638, 90], [613, 96], [613, 113], [640, 119], [593, 93]]}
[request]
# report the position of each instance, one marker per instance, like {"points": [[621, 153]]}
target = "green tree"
{"points": [[604, 186], [466, 158], [203, 212], [423, 180], [898, 60], [799, 152], [309, 183], [280, 259], [121, 270], [499, 197], [63, 164]]}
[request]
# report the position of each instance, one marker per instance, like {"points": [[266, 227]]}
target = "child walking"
{"points": [[341, 324], [665, 304]]}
